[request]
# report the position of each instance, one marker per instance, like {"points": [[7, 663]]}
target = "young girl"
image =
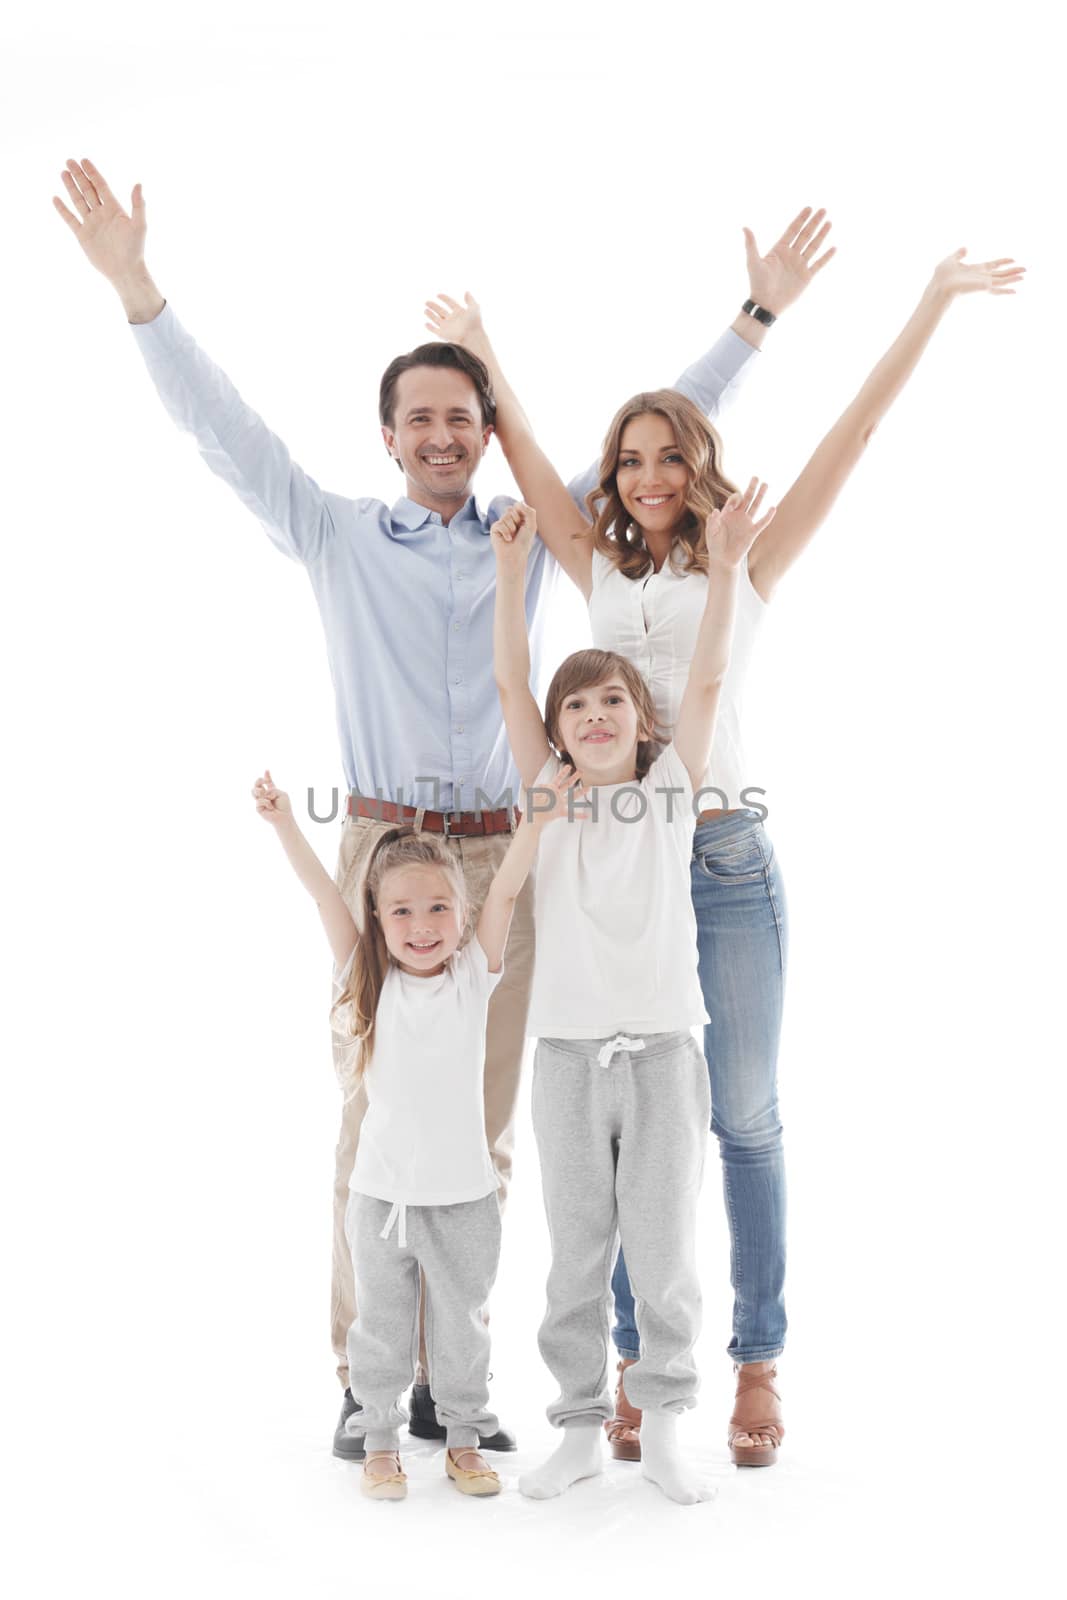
{"points": [[620, 1097], [644, 579], [411, 1005]]}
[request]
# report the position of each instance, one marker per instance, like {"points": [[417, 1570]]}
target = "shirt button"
{"points": [[457, 680], [456, 627], [459, 727]]}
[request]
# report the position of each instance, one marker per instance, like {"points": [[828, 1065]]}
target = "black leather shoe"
{"points": [[350, 1447], [423, 1423]]}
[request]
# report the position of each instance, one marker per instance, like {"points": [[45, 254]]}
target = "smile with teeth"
{"points": [[442, 461], [653, 499], [423, 944], [598, 736]]}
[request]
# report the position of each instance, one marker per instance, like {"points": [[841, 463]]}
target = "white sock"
{"points": [[662, 1464], [580, 1455]]}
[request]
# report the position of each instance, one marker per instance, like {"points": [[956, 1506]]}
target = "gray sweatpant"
{"points": [[458, 1249], [622, 1135]]}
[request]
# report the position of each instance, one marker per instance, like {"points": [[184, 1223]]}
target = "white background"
{"points": [[170, 1108]]}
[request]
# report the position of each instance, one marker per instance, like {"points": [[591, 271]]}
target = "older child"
{"points": [[411, 1007], [644, 578], [621, 1102]]}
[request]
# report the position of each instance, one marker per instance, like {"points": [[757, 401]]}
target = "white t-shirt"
{"points": [[654, 622], [423, 1141], [616, 931]]}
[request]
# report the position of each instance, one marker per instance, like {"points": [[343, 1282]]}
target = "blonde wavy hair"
{"points": [[588, 669], [354, 1012], [707, 488]]}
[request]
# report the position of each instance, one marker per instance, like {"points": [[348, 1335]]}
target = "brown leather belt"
{"points": [[453, 824], [716, 816]]}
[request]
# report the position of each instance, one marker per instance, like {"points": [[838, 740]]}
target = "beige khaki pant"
{"points": [[504, 1042]]}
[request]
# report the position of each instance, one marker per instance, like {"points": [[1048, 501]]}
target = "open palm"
{"points": [[969, 277], [455, 323], [113, 239], [782, 275], [729, 534]]}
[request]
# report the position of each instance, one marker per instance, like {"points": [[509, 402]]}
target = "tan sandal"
{"points": [[756, 1455], [393, 1487], [624, 1428], [483, 1480]]}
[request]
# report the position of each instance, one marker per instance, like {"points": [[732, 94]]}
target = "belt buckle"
{"points": [[445, 821]]}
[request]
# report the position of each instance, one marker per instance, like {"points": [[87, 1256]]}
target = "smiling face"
{"points": [[421, 917], [599, 727], [438, 435], [651, 475]]}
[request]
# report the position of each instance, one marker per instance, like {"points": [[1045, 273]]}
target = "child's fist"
{"points": [[271, 802], [513, 535]]}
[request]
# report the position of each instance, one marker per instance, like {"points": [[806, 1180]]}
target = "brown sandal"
{"points": [[624, 1428], [756, 1455]]}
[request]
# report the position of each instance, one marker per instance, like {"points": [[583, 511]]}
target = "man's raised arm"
{"points": [[235, 442], [774, 282]]}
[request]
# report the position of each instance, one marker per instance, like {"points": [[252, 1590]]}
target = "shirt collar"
{"points": [[408, 516]]}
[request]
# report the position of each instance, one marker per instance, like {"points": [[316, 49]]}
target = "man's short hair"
{"points": [[437, 355]]}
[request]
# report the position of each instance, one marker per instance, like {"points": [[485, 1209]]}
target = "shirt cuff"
{"points": [[163, 332]]}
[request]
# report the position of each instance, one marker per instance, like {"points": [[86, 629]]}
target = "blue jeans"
{"points": [[739, 901]]}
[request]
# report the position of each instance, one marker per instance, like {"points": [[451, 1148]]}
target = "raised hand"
{"points": [[955, 276], [731, 532], [781, 276], [272, 803], [455, 323], [112, 239], [513, 535], [567, 791]]}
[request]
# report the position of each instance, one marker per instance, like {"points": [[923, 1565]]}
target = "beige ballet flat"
{"points": [[484, 1481], [394, 1487]]}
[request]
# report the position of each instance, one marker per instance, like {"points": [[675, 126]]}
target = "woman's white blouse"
{"points": [[653, 622]]}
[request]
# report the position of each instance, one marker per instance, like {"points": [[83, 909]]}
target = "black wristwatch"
{"points": [[760, 313]]}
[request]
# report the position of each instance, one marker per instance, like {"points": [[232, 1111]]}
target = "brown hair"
{"points": [[707, 489], [354, 1012], [437, 355], [586, 669]]}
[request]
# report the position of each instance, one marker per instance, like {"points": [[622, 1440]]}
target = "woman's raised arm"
{"points": [[562, 526], [807, 503]]}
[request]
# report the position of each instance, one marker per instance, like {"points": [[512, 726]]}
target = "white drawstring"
{"points": [[400, 1211], [620, 1042]]}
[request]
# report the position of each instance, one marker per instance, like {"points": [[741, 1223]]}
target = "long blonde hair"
{"points": [[354, 1012], [707, 488]]}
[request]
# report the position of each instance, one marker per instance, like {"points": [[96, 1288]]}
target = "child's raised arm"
{"points": [[274, 806], [512, 538], [495, 919], [728, 536]]}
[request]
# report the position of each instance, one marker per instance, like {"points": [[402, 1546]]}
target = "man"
{"points": [[406, 597]]}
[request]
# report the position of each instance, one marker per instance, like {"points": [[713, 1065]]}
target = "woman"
{"points": [[641, 572]]}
